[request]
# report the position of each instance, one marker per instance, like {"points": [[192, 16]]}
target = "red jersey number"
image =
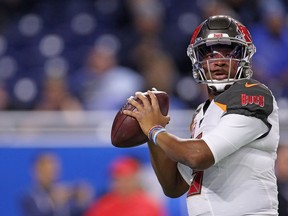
{"points": [[196, 184]]}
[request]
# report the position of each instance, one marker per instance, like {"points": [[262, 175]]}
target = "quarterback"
{"points": [[226, 168]]}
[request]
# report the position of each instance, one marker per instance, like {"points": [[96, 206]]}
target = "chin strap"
{"points": [[220, 86]]}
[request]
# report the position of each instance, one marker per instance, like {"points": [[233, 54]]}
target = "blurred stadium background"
{"points": [[40, 39]]}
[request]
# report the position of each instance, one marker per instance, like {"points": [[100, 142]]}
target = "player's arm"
{"points": [[166, 170], [192, 152]]}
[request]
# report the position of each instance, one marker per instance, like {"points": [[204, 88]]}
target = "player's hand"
{"points": [[147, 114]]}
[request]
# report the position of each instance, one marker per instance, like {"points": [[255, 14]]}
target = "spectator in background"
{"points": [[145, 23], [48, 197], [4, 98], [126, 197], [103, 84], [213, 7], [159, 71], [282, 179], [271, 39], [247, 10], [56, 96]]}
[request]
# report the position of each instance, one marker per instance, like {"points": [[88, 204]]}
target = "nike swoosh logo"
{"points": [[247, 85]]}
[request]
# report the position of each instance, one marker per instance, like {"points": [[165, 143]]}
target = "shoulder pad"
{"points": [[247, 97]]}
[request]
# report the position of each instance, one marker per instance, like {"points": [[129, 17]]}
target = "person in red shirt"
{"points": [[126, 197]]}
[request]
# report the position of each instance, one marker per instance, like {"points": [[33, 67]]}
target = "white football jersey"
{"points": [[241, 128]]}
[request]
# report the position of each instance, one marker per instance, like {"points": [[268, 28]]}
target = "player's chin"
{"points": [[219, 77]]}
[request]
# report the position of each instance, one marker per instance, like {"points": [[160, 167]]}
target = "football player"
{"points": [[226, 168]]}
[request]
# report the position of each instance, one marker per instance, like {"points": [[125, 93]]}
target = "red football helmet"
{"points": [[226, 32]]}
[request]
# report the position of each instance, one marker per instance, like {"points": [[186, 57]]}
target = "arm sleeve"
{"points": [[233, 132]]}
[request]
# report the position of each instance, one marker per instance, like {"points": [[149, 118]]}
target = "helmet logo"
{"points": [[217, 35], [244, 31], [195, 33]]}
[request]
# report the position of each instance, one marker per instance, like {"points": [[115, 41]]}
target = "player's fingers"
{"points": [[135, 103], [143, 98], [130, 113], [167, 119], [154, 100]]}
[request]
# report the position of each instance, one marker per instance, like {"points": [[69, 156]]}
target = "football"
{"points": [[126, 131]]}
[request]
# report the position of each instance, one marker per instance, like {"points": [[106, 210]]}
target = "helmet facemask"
{"points": [[207, 48]]}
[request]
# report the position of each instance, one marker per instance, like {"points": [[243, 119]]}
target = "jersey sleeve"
{"points": [[249, 98], [233, 132]]}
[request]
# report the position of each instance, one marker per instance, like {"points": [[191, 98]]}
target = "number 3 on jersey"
{"points": [[196, 184]]}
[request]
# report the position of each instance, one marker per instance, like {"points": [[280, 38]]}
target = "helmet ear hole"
{"points": [[248, 73]]}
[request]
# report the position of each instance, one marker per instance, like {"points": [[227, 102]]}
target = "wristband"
{"points": [[152, 129], [160, 130]]}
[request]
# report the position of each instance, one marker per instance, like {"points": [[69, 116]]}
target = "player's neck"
{"points": [[212, 94], [211, 97]]}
